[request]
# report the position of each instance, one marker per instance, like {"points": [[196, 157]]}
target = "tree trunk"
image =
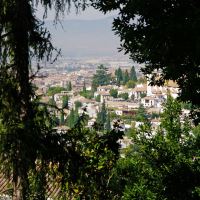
{"points": [[17, 189]]}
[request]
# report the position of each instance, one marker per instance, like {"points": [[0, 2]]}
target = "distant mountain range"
{"points": [[85, 38]]}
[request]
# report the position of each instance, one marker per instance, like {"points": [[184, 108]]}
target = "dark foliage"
{"points": [[164, 35]]}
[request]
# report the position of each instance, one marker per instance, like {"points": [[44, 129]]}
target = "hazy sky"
{"points": [[91, 37], [88, 14]]}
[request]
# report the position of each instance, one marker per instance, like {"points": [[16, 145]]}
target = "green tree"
{"points": [[95, 156], [186, 105], [108, 123], [54, 120], [130, 84], [133, 75], [142, 95], [123, 96], [54, 90], [22, 38], [155, 115], [98, 98], [72, 118], [141, 114], [78, 104], [102, 116], [156, 163], [87, 94], [102, 77], [25, 121], [65, 105], [52, 102], [29, 145], [62, 119], [69, 86], [65, 102], [119, 75], [126, 77], [113, 93], [84, 87]]}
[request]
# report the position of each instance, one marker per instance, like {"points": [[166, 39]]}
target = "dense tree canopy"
{"points": [[125, 76], [160, 164], [25, 123], [123, 96], [113, 93], [101, 77], [131, 84], [53, 90]]}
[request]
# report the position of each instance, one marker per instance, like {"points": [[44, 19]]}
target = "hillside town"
{"points": [[123, 94], [105, 106]]}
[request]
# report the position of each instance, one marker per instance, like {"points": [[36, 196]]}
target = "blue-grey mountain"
{"points": [[81, 38]]}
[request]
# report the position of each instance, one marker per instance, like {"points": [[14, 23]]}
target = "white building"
{"points": [[148, 101], [139, 90]]}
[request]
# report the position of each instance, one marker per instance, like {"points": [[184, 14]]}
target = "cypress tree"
{"points": [[102, 116], [84, 87], [69, 86], [72, 118], [108, 125], [62, 120], [65, 101], [119, 75], [133, 76], [126, 77]]}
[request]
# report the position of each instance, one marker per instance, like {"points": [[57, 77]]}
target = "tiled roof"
{"points": [[141, 89], [102, 93]]}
